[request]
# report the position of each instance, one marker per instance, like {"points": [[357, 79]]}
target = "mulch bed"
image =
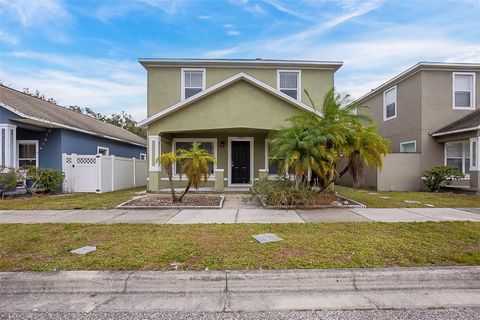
{"points": [[193, 201], [318, 202]]}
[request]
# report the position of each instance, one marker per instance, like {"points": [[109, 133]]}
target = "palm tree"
{"points": [[366, 149], [194, 163], [313, 143], [168, 160]]}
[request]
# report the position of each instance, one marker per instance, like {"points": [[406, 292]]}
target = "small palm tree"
{"points": [[314, 143], [194, 163], [366, 149], [168, 160]]}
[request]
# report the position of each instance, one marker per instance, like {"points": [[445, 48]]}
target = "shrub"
{"points": [[48, 179], [284, 192], [8, 180], [438, 176]]}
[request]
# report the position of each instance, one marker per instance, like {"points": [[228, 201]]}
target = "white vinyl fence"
{"points": [[99, 173]]}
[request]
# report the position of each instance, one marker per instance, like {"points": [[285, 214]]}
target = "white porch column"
{"points": [[474, 162], [8, 150], [154, 150]]}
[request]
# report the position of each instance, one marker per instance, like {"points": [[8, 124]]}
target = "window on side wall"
{"points": [[408, 147], [208, 145], [288, 82], [463, 90], [27, 153], [103, 151], [390, 104], [193, 82], [457, 155]]}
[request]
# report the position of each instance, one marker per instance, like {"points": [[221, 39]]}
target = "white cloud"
{"points": [[121, 8], [48, 16], [8, 38], [104, 85], [282, 8], [233, 32], [255, 9], [205, 17], [296, 42]]}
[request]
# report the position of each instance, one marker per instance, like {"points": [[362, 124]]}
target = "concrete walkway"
{"points": [[240, 291], [239, 215]]}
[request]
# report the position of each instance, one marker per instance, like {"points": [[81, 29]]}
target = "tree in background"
{"points": [[122, 119]]}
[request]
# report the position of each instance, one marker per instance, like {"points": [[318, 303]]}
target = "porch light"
{"points": [[222, 144]]}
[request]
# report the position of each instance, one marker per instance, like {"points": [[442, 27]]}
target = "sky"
{"points": [[86, 53]]}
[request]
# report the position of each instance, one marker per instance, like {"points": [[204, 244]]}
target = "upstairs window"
{"points": [[288, 82], [463, 90], [390, 104], [193, 82]]}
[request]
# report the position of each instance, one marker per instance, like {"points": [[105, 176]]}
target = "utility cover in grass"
{"points": [[412, 201], [267, 237], [84, 250]]}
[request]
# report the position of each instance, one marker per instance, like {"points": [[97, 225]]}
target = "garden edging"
{"points": [[125, 205], [355, 205]]}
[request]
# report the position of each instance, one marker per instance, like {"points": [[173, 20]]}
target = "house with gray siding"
{"points": [[35, 132], [428, 113]]}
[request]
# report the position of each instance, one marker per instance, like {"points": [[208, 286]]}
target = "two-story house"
{"points": [[229, 106], [430, 110]]}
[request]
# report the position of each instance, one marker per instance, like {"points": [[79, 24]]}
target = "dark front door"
{"points": [[240, 162]]}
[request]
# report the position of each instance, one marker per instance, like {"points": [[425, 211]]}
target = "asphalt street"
{"points": [[413, 314]]}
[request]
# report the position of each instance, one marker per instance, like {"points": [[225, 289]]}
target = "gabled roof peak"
{"points": [[225, 83]]}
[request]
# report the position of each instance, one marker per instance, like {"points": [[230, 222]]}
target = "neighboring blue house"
{"points": [[36, 133]]}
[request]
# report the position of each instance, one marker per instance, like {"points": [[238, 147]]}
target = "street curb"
{"points": [[243, 281]]}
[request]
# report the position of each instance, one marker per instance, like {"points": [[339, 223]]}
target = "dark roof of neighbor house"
{"points": [[447, 66], [470, 122], [234, 63], [55, 116]]}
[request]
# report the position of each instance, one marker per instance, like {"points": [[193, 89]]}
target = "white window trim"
{"points": [[385, 104], [153, 166], [103, 148], [182, 79], [299, 82], [408, 142], [467, 176], [143, 155], [474, 166], [37, 158], [229, 163], [9, 158], [212, 140], [472, 93]]}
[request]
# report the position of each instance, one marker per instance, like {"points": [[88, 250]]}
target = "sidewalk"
{"points": [[240, 215], [230, 291]]}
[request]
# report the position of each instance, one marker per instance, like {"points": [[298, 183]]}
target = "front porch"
{"points": [[242, 157]]}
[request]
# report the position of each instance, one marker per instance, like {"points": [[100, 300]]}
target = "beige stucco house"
{"points": [[428, 112], [229, 106]]}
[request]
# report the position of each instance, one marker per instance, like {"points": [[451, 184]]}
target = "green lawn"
{"points": [[396, 199], [70, 201], [45, 247]]}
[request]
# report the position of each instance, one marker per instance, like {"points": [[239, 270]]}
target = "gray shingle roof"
{"points": [[471, 120], [24, 104]]}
